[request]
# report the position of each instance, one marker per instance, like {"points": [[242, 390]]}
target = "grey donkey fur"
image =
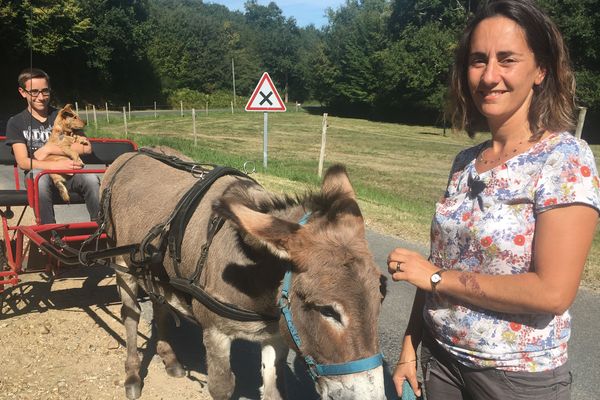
{"points": [[336, 291]]}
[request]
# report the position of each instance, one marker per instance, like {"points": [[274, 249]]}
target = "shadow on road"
{"points": [[40, 292]]}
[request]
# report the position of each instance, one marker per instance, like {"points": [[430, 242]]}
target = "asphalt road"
{"points": [[584, 347]]}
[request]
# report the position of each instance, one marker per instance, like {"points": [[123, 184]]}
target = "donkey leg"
{"points": [[130, 313], [221, 381], [274, 355], [164, 349]]}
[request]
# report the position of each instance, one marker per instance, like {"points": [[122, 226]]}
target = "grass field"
{"points": [[398, 171]]}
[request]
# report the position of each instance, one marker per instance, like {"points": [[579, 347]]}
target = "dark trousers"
{"points": [[447, 379]]}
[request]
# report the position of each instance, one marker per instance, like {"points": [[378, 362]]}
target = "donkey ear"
{"points": [[270, 231], [336, 180]]}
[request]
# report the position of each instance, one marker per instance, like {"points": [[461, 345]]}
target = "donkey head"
{"points": [[336, 289]]}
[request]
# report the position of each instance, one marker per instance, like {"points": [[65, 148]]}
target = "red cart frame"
{"points": [[104, 152]]}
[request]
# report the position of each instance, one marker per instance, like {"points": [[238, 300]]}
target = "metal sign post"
{"points": [[265, 138], [265, 98]]}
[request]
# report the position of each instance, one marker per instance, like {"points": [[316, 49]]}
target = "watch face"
{"points": [[435, 278]]}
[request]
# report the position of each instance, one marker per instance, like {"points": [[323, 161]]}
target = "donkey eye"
{"points": [[329, 311]]}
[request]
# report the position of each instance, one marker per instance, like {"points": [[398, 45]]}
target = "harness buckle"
{"points": [[311, 365], [197, 171]]}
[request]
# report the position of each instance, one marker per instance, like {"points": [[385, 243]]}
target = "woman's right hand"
{"points": [[406, 371]]}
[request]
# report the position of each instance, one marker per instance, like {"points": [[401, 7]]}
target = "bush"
{"points": [[195, 99]]}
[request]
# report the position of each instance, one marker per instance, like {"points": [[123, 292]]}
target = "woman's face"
{"points": [[502, 71]]}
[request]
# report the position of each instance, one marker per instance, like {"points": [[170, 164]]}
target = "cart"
{"points": [[35, 246]]}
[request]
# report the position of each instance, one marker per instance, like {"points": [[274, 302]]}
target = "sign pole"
{"points": [[266, 99], [265, 138]]}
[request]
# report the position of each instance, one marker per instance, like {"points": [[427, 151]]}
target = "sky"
{"points": [[305, 12]]}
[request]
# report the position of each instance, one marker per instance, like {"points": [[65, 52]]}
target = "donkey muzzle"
{"points": [[367, 385]]}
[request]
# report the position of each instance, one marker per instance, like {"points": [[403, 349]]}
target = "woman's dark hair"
{"points": [[553, 102]]}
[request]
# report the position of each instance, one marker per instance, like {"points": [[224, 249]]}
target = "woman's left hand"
{"points": [[412, 267]]}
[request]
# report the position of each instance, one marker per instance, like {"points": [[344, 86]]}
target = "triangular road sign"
{"points": [[265, 96]]}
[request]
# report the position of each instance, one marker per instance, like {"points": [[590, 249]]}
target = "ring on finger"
{"points": [[398, 266]]}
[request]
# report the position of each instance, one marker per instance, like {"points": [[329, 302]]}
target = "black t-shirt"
{"points": [[24, 128]]}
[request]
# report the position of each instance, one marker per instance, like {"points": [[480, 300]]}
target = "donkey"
{"points": [[335, 288]]}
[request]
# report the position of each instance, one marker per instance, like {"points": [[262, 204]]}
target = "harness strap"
{"points": [[214, 225], [218, 307], [171, 233], [316, 370], [351, 367], [186, 208]]}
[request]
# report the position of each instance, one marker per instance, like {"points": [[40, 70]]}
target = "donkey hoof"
{"points": [[175, 370], [133, 388]]}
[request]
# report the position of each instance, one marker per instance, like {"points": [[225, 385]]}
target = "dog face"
{"points": [[66, 128], [68, 122]]}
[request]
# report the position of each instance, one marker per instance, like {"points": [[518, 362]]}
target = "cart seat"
{"points": [[13, 198]]}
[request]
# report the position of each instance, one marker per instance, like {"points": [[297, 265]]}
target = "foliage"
{"points": [[195, 99], [579, 22], [383, 59], [353, 43]]}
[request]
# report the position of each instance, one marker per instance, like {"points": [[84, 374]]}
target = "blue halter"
{"points": [[316, 370]]}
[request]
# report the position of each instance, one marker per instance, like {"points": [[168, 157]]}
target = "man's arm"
{"points": [[26, 163]]}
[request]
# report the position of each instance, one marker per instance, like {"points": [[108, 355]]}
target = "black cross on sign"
{"points": [[265, 98]]}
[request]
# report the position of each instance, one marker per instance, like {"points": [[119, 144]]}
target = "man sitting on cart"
{"points": [[27, 133]]}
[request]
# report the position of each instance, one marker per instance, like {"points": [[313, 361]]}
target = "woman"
{"points": [[510, 238]]}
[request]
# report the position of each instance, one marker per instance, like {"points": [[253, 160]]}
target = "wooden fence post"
{"points": [[76, 108], [323, 142], [580, 121], [95, 119], [125, 120], [87, 115], [154, 110], [181, 107], [107, 119], [194, 126], [129, 109]]}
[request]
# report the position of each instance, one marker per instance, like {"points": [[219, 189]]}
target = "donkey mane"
{"points": [[329, 204]]}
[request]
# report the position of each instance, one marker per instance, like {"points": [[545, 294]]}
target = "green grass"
{"points": [[398, 171]]}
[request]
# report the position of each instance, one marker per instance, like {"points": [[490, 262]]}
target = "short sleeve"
{"points": [[569, 176], [13, 135]]}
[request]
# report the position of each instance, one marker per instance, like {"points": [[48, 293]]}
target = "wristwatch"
{"points": [[435, 279]]}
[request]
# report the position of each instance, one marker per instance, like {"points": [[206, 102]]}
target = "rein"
{"points": [[316, 370]]}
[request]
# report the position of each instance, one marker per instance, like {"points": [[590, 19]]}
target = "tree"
{"points": [[579, 22], [354, 40], [276, 41]]}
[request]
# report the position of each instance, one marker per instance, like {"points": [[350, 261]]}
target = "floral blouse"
{"points": [[486, 223]]}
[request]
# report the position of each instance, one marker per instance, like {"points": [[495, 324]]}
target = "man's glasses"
{"points": [[36, 92]]}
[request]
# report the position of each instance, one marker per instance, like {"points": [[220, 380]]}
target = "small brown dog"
{"points": [[65, 133]]}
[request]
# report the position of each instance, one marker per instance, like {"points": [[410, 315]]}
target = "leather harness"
{"points": [[147, 258]]}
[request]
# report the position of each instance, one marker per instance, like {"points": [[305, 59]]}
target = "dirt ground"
{"points": [[61, 338]]}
